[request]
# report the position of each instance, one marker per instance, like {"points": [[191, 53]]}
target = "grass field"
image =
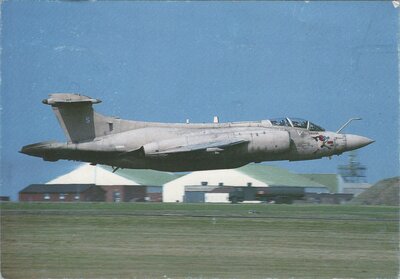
{"points": [[126, 240]]}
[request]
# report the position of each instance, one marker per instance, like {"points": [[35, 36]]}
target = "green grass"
{"points": [[100, 240]]}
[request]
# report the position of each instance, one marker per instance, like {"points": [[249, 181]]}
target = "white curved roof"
{"points": [[88, 174]]}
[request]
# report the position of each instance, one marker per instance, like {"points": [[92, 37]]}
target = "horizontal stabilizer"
{"points": [[67, 98]]}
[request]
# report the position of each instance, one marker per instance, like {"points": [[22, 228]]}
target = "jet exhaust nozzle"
{"points": [[41, 149]]}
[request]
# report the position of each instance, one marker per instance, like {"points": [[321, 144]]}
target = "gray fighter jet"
{"points": [[99, 139]]}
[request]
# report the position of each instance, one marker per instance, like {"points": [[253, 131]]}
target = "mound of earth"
{"points": [[384, 192]]}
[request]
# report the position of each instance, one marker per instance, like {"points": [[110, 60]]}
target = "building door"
{"points": [[194, 196]]}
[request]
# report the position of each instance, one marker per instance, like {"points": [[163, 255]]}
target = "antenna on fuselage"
{"points": [[347, 123]]}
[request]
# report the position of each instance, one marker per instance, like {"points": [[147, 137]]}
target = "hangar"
{"points": [[200, 186], [123, 186]]}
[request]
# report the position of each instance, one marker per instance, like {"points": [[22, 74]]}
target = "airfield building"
{"points": [[336, 184], [123, 186], [62, 193], [215, 185]]}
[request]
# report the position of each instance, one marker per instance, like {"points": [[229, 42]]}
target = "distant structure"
{"points": [[100, 183], [353, 176], [354, 172], [258, 182], [215, 185], [4, 198], [62, 192]]}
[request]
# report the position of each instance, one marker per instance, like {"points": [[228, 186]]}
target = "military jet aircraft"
{"points": [[99, 139]]}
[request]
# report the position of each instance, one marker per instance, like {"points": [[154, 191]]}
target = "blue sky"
{"points": [[169, 61]]}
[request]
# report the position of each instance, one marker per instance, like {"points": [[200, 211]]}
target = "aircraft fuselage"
{"points": [[183, 147]]}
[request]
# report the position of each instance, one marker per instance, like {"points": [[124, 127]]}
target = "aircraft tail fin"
{"points": [[76, 116]]}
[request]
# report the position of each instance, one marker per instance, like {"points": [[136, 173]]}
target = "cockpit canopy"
{"points": [[297, 123]]}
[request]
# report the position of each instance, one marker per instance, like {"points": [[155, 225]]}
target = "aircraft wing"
{"points": [[216, 146]]}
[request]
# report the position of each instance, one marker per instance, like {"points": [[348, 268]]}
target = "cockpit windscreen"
{"points": [[297, 123], [313, 127], [280, 122]]}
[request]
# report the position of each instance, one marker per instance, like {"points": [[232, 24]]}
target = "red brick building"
{"points": [[62, 193], [121, 193], [125, 185]]}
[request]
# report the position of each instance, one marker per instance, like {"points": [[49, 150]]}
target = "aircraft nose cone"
{"points": [[355, 142]]}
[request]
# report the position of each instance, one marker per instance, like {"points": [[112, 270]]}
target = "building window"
{"points": [[221, 184], [116, 196], [204, 183], [46, 197], [62, 197], [77, 197]]}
